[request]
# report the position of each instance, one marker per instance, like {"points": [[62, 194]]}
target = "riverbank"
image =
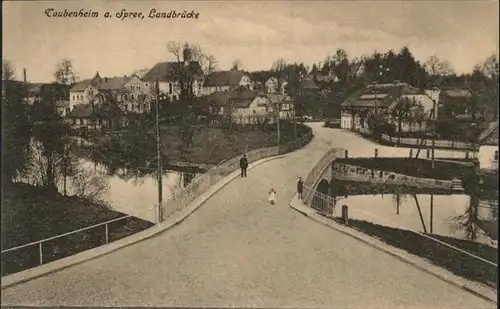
{"points": [[29, 214], [457, 262], [208, 146]]}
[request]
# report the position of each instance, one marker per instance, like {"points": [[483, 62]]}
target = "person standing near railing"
{"points": [[300, 188], [244, 166]]}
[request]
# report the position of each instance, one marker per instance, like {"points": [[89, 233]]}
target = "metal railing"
{"points": [[349, 172], [40, 242], [437, 143], [202, 183]]}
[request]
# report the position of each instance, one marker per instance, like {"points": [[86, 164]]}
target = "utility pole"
{"points": [[433, 129], [158, 148], [278, 122]]}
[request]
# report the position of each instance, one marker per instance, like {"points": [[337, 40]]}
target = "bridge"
{"points": [[237, 250]]}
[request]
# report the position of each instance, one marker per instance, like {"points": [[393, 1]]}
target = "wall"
{"points": [[486, 157], [350, 172]]}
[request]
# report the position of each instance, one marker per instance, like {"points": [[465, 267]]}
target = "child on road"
{"points": [[272, 196]]}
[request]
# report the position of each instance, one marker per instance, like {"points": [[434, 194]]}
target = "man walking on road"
{"points": [[300, 187], [244, 166]]}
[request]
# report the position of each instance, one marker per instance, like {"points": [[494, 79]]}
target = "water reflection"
{"points": [[456, 216], [130, 166]]}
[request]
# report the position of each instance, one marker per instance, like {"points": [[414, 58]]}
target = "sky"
{"points": [[254, 32]]}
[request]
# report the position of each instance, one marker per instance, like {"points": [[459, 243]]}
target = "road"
{"points": [[237, 250]]}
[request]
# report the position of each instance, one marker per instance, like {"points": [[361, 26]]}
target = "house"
{"points": [[244, 106], [286, 105], [275, 86], [382, 99], [54, 94], [325, 81], [453, 101], [227, 81], [168, 75], [130, 93], [95, 117], [137, 96], [309, 85]]}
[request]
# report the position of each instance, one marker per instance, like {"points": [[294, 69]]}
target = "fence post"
{"points": [[330, 205], [107, 233], [466, 154], [428, 151], [376, 152], [411, 152], [346, 153], [452, 144], [345, 215], [41, 253]]}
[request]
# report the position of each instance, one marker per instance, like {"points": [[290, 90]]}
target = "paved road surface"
{"points": [[237, 250]]}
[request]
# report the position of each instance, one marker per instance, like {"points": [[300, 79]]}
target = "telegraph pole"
{"points": [[278, 122], [158, 148]]}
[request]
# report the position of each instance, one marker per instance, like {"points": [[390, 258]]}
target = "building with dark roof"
{"points": [[132, 93], [244, 106], [168, 75], [227, 81], [383, 99]]}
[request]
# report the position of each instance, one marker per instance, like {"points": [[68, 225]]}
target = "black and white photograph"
{"points": [[250, 154]]}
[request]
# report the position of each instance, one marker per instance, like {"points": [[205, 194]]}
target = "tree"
{"points": [[340, 65], [236, 65], [278, 70], [401, 111], [399, 198], [434, 66], [7, 70], [15, 130], [65, 73], [185, 54], [210, 64]]}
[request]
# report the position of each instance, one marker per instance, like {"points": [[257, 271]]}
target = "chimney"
{"points": [[24, 75]]}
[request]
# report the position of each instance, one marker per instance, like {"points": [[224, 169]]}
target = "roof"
{"points": [[62, 104], [224, 78], [326, 78], [239, 99], [380, 95], [39, 89], [456, 93], [82, 85], [81, 111], [168, 71], [308, 83], [490, 132]]}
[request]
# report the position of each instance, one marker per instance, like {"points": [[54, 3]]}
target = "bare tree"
{"points": [[236, 65], [278, 70], [210, 65], [437, 67], [87, 184], [65, 73], [7, 70]]}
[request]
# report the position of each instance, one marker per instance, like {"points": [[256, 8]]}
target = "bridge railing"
{"points": [[103, 238], [314, 175], [202, 183]]}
